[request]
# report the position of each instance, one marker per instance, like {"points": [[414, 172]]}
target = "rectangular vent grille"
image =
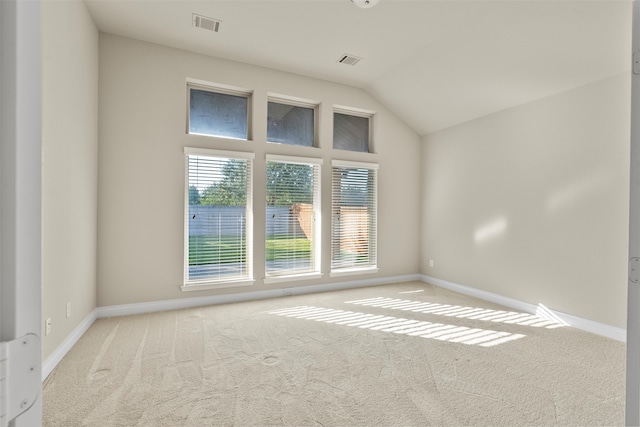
{"points": [[349, 59], [205, 23]]}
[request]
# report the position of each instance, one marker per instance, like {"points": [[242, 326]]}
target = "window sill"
{"points": [[207, 285], [291, 278], [210, 135], [353, 271]]}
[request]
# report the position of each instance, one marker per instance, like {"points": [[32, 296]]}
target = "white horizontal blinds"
{"points": [[291, 216], [353, 215], [218, 226]]}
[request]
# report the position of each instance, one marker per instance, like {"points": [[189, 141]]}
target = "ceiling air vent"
{"points": [[205, 23], [349, 59]]}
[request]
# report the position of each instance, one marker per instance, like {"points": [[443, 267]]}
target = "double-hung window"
{"points": [[218, 218], [353, 217], [292, 217]]}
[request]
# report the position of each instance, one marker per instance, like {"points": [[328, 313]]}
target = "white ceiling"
{"points": [[434, 63]]}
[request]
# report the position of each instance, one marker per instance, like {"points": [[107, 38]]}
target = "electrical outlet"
{"points": [[47, 326], [287, 292], [430, 263], [68, 310]]}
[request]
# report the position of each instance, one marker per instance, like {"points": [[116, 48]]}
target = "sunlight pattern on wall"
{"points": [[490, 231], [438, 331], [475, 313]]}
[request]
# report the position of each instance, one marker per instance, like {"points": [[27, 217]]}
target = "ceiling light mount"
{"points": [[364, 4]]}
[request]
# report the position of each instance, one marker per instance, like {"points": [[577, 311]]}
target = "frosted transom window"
{"points": [[218, 114], [351, 132], [290, 124]]}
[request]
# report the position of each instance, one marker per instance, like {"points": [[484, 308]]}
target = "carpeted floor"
{"points": [[399, 355]]}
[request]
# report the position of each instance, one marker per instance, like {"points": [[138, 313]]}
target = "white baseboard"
{"points": [[177, 304], [148, 307], [594, 327], [55, 357]]}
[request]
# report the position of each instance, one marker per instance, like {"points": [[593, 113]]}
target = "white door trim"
{"points": [[20, 179], [633, 295]]}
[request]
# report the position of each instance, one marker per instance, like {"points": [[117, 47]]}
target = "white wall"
{"points": [[141, 167], [532, 202], [69, 174]]}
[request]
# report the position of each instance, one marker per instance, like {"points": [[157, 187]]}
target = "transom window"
{"points": [[291, 123], [353, 216], [218, 112], [351, 131], [218, 216], [292, 212]]}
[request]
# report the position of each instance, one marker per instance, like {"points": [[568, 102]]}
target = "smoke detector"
{"points": [[364, 4]]}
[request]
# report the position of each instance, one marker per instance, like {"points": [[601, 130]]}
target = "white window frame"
{"points": [[208, 283], [317, 213], [298, 102], [371, 268], [225, 90]]}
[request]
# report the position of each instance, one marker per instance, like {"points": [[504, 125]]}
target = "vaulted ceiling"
{"points": [[435, 63]]}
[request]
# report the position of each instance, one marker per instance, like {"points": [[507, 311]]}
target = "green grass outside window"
{"points": [[224, 250]]}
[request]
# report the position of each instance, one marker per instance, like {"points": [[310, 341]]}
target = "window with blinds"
{"points": [[353, 216], [292, 216], [218, 227]]}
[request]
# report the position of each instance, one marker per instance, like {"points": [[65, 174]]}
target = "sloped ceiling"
{"points": [[435, 63]]}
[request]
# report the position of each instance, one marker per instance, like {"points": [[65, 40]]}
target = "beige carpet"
{"points": [[398, 355]]}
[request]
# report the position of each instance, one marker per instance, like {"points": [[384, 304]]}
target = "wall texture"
{"points": [[69, 173], [532, 202], [141, 167]]}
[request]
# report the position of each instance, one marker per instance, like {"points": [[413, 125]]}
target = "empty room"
{"points": [[336, 212]]}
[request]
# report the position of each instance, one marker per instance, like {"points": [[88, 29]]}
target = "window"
{"points": [[218, 223], [222, 113], [351, 132], [292, 216], [353, 216], [291, 124]]}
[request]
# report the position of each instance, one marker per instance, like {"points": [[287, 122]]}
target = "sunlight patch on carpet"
{"points": [[510, 317], [396, 325]]}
